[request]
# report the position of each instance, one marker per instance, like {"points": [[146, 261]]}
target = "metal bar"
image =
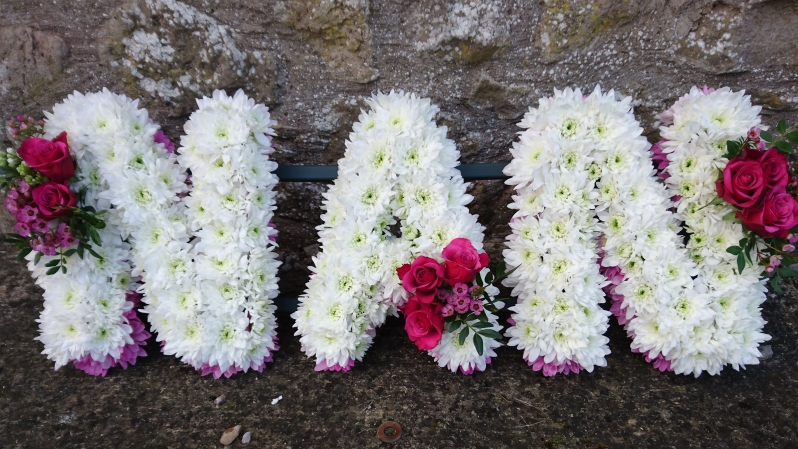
{"points": [[307, 173], [328, 173]]}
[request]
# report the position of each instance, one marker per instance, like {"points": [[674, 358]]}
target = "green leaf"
{"points": [[52, 263], [734, 250], [70, 252], [478, 344], [489, 278], [774, 284], [481, 324], [784, 147], [80, 250], [24, 252], [93, 253], [454, 325], [782, 126], [766, 136], [740, 263], [482, 318], [500, 268], [63, 269], [479, 280], [792, 136], [52, 271], [37, 258], [95, 237], [731, 216], [490, 333], [787, 272], [15, 239], [491, 308], [733, 148], [463, 335]]}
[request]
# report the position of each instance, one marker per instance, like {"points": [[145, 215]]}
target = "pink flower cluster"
{"points": [[160, 137], [46, 235], [22, 126], [461, 299], [429, 282]]}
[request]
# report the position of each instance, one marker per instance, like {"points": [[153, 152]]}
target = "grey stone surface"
{"points": [[161, 402]]}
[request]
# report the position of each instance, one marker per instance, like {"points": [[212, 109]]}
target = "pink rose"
{"points": [[422, 277], [50, 158], [742, 182], [53, 198], [423, 323], [463, 262], [773, 218], [775, 170]]}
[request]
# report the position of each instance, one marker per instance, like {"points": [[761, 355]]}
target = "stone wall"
{"points": [[484, 62]]}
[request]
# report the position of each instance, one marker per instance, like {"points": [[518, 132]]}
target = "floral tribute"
{"points": [[731, 191], [452, 298], [121, 170], [35, 180], [398, 165], [762, 186], [588, 205], [208, 261]]}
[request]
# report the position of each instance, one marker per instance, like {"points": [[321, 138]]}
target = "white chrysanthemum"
{"points": [[209, 262], [398, 163], [582, 158], [117, 160], [696, 129]]}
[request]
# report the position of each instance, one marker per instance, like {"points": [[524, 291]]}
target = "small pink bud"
{"points": [[775, 261], [788, 248], [769, 269]]}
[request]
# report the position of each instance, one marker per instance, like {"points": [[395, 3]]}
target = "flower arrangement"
{"points": [[398, 163], [208, 261], [34, 178], [89, 315], [714, 170], [588, 205], [454, 299], [761, 184]]}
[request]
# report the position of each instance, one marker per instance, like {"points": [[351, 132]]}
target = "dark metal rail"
{"points": [[328, 173]]}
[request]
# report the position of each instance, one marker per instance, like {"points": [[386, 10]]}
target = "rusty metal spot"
{"points": [[389, 431]]}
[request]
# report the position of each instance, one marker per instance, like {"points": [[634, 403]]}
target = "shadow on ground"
{"points": [[163, 403]]}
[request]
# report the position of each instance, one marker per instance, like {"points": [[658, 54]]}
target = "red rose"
{"points": [[775, 170], [422, 277], [50, 158], [50, 196], [773, 218], [742, 182], [423, 323], [463, 262]]}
